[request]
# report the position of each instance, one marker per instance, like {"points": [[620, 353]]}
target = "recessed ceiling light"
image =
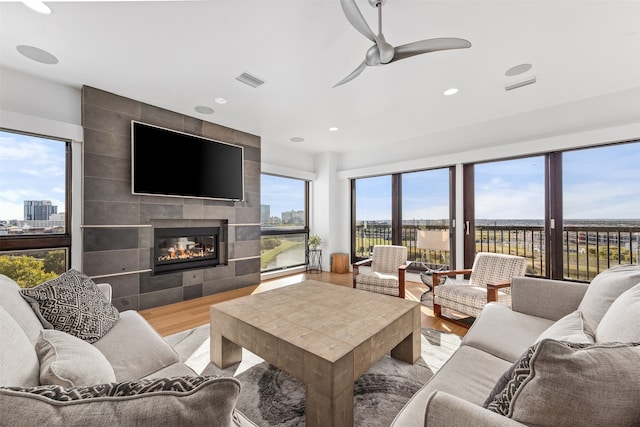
{"points": [[37, 6], [36, 54], [450, 92], [220, 101], [333, 129], [518, 69], [203, 109], [297, 139]]}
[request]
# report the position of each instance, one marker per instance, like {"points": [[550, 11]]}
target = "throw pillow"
{"points": [[621, 323], [565, 384], [72, 303], [570, 328], [604, 289], [176, 401], [18, 359], [71, 362]]}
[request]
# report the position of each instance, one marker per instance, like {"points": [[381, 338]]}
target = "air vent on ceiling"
{"points": [[250, 80], [530, 81]]}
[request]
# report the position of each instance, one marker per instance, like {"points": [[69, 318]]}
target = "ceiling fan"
{"points": [[382, 52]]}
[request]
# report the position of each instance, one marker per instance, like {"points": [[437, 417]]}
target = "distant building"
{"points": [[39, 210], [293, 217], [265, 213]]}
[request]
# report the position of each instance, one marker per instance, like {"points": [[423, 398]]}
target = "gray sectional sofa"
{"points": [[123, 373], [566, 354]]}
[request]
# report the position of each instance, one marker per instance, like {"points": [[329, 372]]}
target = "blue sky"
{"points": [[599, 183], [31, 168], [282, 194]]}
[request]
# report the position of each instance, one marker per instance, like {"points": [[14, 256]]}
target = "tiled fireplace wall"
{"points": [[117, 225]]}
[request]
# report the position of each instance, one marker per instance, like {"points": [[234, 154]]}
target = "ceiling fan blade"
{"points": [[355, 73], [356, 19], [429, 45]]}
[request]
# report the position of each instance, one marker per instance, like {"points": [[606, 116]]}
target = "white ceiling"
{"points": [[178, 55]]}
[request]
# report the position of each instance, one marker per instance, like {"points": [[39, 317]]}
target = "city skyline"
{"points": [[32, 169]]}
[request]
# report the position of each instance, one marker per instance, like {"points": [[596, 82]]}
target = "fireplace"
{"points": [[185, 248]]}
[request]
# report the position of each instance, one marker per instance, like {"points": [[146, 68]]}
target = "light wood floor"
{"points": [[174, 318]]}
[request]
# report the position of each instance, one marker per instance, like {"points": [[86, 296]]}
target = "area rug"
{"points": [[271, 397]]}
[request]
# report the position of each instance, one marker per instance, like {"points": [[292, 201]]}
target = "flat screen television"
{"points": [[165, 162]]}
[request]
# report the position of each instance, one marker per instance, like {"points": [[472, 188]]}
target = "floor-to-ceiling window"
{"points": [[601, 209], [509, 198], [572, 213], [283, 221], [35, 204], [426, 216], [411, 209], [372, 214]]}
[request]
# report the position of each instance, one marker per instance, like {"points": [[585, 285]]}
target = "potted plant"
{"points": [[314, 241]]}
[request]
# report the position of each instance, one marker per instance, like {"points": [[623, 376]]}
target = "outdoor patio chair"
{"points": [[388, 266]]}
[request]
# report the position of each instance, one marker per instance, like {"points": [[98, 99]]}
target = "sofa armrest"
{"points": [[106, 290], [446, 410], [549, 299]]}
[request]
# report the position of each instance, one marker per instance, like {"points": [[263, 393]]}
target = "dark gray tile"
{"points": [[192, 125], [217, 286], [108, 190], [106, 120], [161, 117], [110, 101], [123, 286], [252, 154], [96, 165], [127, 303], [153, 211], [247, 280], [106, 143], [219, 272], [160, 298], [160, 282], [246, 249], [217, 132], [247, 139], [248, 215], [191, 292], [106, 239], [110, 213], [192, 277], [247, 266], [248, 232], [110, 262]]}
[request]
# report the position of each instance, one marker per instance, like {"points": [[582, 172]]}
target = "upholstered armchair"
{"points": [[388, 266], [489, 280]]}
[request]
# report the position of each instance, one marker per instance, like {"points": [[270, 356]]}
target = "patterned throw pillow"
{"points": [[74, 304], [125, 388], [176, 401], [564, 384]]}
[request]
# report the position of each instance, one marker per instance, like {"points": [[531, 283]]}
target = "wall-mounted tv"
{"points": [[165, 162]]}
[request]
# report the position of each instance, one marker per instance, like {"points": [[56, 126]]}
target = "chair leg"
{"points": [[437, 310]]}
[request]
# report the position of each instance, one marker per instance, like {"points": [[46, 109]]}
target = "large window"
{"points": [[572, 214], [34, 207], [509, 209], [411, 209], [284, 222], [601, 209]]}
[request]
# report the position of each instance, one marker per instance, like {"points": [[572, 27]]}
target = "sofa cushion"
{"points": [[570, 328], [621, 323], [206, 401], [604, 289], [565, 384], [72, 303], [18, 308], [71, 362], [134, 349], [18, 359]]}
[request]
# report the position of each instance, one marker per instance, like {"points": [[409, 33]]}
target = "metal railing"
{"points": [[587, 250]]}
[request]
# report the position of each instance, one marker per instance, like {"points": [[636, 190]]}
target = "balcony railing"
{"points": [[587, 250]]}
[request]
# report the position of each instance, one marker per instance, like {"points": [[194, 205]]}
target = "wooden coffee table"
{"points": [[325, 335]]}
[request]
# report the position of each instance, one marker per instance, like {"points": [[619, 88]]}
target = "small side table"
{"points": [[314, 261]]}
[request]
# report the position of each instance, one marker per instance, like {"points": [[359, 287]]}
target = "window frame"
{"points": [[46, 241]]}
